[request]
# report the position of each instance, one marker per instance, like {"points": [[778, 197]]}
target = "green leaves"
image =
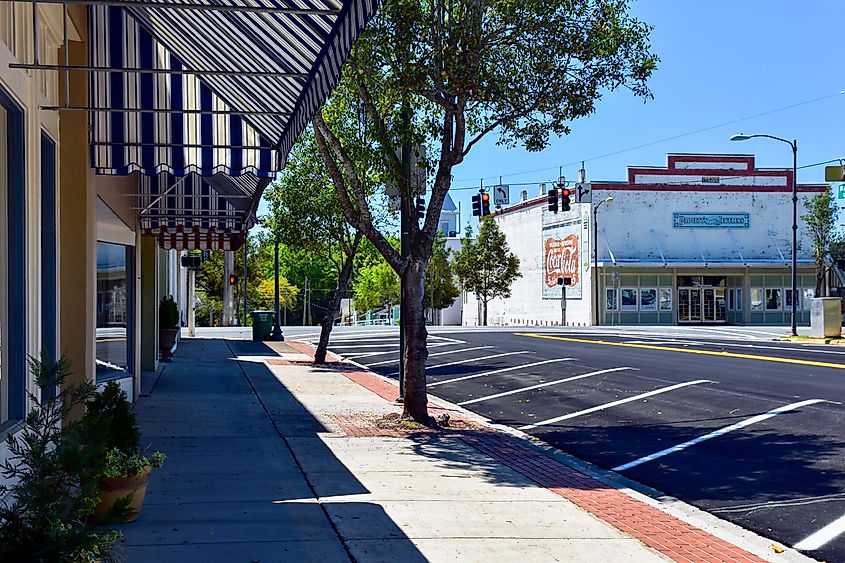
{"points": [[486, 266]]}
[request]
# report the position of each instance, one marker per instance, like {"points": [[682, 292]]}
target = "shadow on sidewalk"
{"points": [[232, 489]]}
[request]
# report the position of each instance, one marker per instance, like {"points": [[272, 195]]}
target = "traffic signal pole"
{"points": [[404, 249]]}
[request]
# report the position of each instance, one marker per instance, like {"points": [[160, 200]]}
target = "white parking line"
{"points": [[823, 536], [470, 360], [494, 372], [394, 360], [614, 403], [393, 351], [390, 345], [541, 385], [717, 433]]}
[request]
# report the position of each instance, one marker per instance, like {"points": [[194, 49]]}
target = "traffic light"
{"points": [[233, 279], [420, 208], [552, 198], [565, 203], [476, 205], [485, 204]]}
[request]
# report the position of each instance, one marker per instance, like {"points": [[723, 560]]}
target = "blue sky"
{"points": [[720, 61]]}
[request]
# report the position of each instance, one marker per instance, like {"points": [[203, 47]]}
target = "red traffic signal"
{"points": [[564, 204], [485, 204], [233, 279]]}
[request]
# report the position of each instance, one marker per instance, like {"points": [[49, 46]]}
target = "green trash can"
{"points": [[262, 325]]}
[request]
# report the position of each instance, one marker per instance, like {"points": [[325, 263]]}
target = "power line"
{"points": [[837, 160], [665, 139]]}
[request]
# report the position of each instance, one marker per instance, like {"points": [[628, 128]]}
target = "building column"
{"points": [[149, 303], [77, 223]]}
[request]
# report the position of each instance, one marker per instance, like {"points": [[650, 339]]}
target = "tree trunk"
{"points": [[334, 305], [484, 307], [416, 352], [820, 281]]}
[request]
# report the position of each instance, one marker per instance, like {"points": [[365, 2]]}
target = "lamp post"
{"points": [[794, 145], [609, 199]]}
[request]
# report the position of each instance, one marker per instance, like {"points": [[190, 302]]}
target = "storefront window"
{"points": [[610, 300], [757, 299], [112, 310], [773, 299], [739, 299], [648, 299], [665, 298], [809, 294], [787, 293], [629, 299]]}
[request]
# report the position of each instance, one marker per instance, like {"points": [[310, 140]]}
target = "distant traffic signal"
{"points": [[485, 204], [420, 208], [565, 202], [476, 205], [552, 199], [233, 279]]}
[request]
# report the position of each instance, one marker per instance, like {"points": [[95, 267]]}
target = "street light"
{"points": [[794, 145], [608, 199]]}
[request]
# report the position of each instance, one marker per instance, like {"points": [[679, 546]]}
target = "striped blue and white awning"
{"points": [[211, 88]]}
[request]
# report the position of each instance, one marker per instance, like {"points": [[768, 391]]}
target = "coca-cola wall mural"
{"points": [[562, 257]]}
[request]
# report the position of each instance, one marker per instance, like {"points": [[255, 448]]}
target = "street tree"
{"points": [[447, 73], [305, 213], [376, 286], [440, 287], [820, 219], [486, 266]]}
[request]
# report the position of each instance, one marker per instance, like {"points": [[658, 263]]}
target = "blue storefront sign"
{"points": [[723, 220]]}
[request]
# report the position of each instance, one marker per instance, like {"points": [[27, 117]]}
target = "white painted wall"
{"points": [[638, 224]]}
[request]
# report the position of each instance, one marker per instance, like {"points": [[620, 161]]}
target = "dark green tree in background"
{"points": [[305, 215], [486, 266], [447, 73], [441, 288]]}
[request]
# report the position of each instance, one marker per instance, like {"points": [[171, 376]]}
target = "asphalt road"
{"points": [[725, 419]]}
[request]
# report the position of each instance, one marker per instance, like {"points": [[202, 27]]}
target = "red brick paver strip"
{"points": [[662, 532]]}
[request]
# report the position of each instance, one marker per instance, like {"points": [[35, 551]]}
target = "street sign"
{"points": [[583, 192], [501, 195], [834, 173]]}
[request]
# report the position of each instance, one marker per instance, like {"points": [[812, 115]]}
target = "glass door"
{"points": [[695, 305], [709, 312], [683, 304]]}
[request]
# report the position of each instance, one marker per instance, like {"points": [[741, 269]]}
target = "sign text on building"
{"points": [[724, 220]]}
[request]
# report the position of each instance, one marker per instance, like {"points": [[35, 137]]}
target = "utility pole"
{"points": [[227, 317], [192, 289], [277, 330], [304, 300], [246, 303]]}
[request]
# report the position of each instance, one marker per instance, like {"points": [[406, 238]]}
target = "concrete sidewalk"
{"points": [[273, 459]]}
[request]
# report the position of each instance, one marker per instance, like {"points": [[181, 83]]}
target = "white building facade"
{"points": [[706, 239]]}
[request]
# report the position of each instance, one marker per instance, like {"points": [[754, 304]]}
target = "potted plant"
{"points": [[122, 470], [168, 327], [124, 479], [49, 496]]}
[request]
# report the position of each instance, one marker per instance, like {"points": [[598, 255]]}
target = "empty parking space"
{"points": [[747, 428]]}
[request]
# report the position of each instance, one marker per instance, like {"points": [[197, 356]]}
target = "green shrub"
{"points": [[168, 313], [44, 514]]}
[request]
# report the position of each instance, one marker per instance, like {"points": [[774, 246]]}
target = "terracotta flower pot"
{"points": [[113, 489], [166, 340]]}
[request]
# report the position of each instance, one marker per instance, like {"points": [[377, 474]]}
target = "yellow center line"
{"points": [[110, 339], [686, 351]]}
